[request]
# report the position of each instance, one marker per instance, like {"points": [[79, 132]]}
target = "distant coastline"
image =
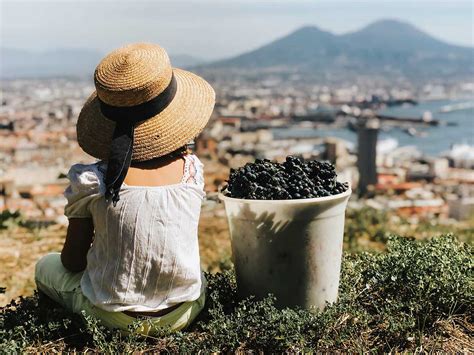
{"points": [[456, 127]]}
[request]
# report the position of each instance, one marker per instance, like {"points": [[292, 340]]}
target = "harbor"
{"points": [[454, 126]]}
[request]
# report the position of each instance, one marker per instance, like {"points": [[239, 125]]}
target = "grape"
{"points": [[293, 179]]}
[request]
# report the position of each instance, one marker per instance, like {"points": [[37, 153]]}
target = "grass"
{"points": [[414, 296], [22, 244]]}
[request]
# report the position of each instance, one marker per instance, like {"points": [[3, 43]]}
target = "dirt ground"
{"points": [[20, 248]]}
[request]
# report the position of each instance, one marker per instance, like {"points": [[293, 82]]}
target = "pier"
{"points": [[418, 120]]}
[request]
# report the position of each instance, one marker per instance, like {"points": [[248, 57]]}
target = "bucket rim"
{"points": [[342, 195]]}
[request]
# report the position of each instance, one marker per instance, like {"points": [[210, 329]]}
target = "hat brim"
{"points": [[180, 122]]}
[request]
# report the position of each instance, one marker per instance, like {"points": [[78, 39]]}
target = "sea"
{"points": [[457, 127]]}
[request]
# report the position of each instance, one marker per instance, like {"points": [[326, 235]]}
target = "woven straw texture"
{"points": [[136, 74]]}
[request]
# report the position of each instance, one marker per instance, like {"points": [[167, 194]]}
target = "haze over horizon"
{"points": [[223, 30]]}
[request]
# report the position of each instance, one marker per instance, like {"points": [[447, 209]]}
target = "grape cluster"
{"points": [[293, 179]]}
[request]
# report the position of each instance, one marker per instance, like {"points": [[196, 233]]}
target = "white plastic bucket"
{"points": [[289, 248]]}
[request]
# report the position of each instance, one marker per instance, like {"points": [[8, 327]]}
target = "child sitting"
{"points": [[131, 247]]}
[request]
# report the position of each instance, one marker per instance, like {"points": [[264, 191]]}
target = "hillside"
{"points": [[415, 297]]}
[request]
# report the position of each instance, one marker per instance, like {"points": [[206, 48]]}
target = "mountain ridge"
{"points": [[384, 46], [63, 62]]}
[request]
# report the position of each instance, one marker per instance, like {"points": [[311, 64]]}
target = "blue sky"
{"points": [[212, 29]]}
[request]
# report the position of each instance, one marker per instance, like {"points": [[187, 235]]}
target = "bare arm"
{"points": [[80, 234]]}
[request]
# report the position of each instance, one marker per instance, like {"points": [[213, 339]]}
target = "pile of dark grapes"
{"points": [[293, 179]]}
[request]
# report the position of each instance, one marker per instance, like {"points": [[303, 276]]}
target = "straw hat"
{"points": [[133, 75]]}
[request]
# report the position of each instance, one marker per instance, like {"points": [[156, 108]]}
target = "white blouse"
{"points": [[145, 253]]}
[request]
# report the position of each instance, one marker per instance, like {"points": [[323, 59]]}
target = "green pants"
{"points": [[64, 287]]}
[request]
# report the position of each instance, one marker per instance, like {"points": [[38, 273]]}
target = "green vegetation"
{"points": [[12, 219], [415, 296], [368, 228], [9, 218]]}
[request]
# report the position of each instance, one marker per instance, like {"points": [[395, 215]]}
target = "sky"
{"points": [[213, 29]]}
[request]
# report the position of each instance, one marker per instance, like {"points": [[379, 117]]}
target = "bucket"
{"points": [[289, 248]]}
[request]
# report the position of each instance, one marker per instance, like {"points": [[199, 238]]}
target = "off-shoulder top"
{"points": [[145, 254]]}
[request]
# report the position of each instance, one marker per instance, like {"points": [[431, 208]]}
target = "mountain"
{"points": [[18, 63], [386, 46], [185, 61], [291, 49], [394, 35]]}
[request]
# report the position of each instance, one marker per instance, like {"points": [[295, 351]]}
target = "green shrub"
{"points": [[368, 228], [365, 222], [9, 218], [396, 300], [12, 219]]}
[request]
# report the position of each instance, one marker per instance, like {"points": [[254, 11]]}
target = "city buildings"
{"points": [[264, 119]]}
